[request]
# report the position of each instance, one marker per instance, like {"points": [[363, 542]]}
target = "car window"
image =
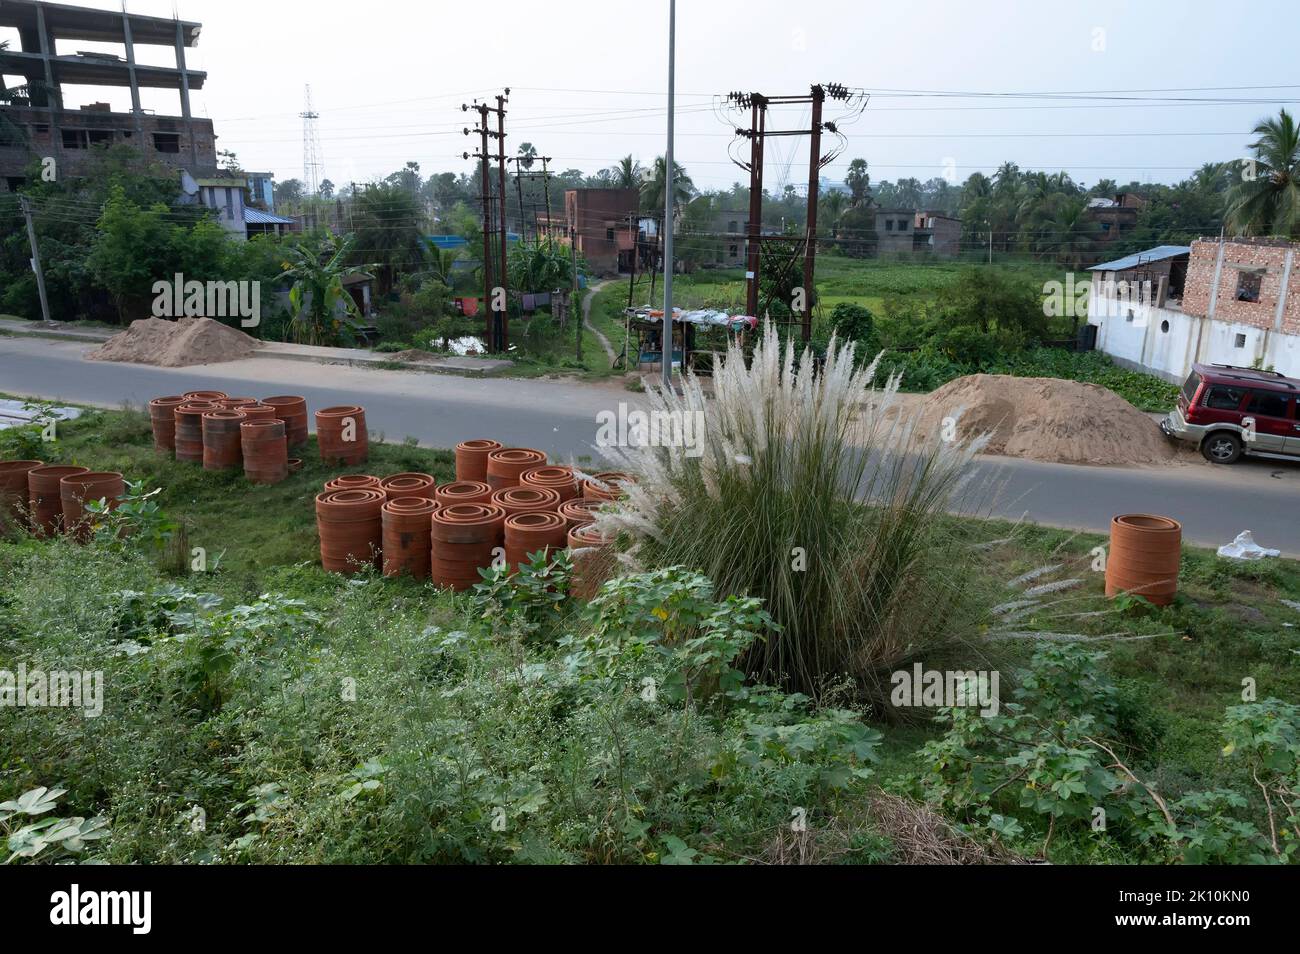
{"points": [[1268, 403], [1223, 398], [1190, 385]]}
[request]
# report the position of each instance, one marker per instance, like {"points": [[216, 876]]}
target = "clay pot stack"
{"points": [[515, 500], [13, 493], [265, 450], [472, 458], [341, 433], [1144, 557], [350, 523], [463, 539], [353, 482], [593, 559], [462, 491], [559, 479], [291, 409], [606, 486], [408, 485], [235, 403], [45, 497], [205, 397], [162, 417], [579, 512], [504, 466], [222, 440], [76, 489], [261, 412], [531, 532], [189, 430], [407, 523]]}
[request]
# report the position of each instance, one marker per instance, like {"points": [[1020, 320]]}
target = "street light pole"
{"points": [[666, 349]]}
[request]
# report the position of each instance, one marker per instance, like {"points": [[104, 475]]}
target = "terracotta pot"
{"points": [[504, 466], [162, 417], [350, 523], [406, 541], [235, 403], [592, 554], [205, 397], [1144, 557], [295, 464], [13, 494], [559, 479], [260, 412], [409, 485], [342, 436], [222, 441], [472, 458], [579, 512], [531, 532], [76, 489], [265, 451], [45, 497], [606, 486], [189, 430], [353, 482], [522, 499], [462, 491], [291, 409], [463, 538]]}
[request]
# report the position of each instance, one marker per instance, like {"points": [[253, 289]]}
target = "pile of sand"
{"points": [[176, 344], [1048, 419]]}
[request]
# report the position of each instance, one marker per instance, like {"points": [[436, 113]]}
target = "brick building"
{"points": [[901, 233], [605, 222]]}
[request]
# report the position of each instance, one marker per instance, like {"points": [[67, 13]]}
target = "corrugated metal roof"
{"points": [[258, 217], [1157, 254]]}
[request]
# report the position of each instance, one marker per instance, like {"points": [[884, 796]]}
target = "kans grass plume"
{"points": [[813, 492]]}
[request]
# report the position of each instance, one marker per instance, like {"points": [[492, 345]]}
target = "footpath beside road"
{"points": [[1213, 503]]}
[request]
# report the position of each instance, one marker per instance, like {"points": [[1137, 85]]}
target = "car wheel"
{"points": [[1222, 447]]}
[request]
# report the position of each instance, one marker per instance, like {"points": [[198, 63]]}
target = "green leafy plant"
{"points": [[50, 839]]}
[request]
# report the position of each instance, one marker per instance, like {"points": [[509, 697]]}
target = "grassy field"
{"points": [[283, 773]]}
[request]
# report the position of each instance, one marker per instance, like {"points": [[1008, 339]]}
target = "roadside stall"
{"points": [[696, 335]]}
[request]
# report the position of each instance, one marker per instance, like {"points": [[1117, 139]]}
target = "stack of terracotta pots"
{"points": [[265, 450], [505, 465], [472, 458], [162, 417], [462, 491], [13, 494], [409, 485], [341, 433], [235, 403], [559, 479], [592, 554], [261, 412], [205, 397], [45, 496], [1144, 557], [515, 500], [222, 440], [534, 531], [189, 430], [74, 492], [606, 486], [353, 482], [291, 409], [579, 512], [407, 525], [350, 523], [464, 539]]}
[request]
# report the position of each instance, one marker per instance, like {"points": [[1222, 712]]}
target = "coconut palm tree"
{"points": [[859, 181], [527, 155], [655, 186], [626, 174], [1267, 199], [833, 205]]}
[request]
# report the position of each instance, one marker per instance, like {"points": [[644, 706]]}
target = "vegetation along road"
{"points": [[559, 417]]}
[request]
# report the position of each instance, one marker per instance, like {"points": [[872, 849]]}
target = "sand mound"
{"points": [[1048, 419], [176, 344]]}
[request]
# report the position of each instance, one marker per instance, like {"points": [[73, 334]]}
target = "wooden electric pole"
{"points": [[36, 259]]}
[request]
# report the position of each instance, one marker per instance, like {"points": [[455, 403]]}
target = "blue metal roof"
{"points": [[1157, 254], [258, 217]]}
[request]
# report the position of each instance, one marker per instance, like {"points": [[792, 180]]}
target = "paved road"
{"points": [[1214, 503]]}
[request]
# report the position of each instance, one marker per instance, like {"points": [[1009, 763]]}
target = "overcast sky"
{"points": [[588, 81]]}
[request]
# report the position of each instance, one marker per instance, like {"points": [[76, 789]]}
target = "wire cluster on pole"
{"points": [[495, 284]]}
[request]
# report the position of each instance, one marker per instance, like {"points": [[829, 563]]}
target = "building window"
{"points": [[99, 137], [74, 139], [167, 142], [609, 235], [1240, 342], [1129, 316], [889, 225], [230, 204], [902, 225], [735, 251], [1248, 284], [731, 226], [1164, 326], [1268, 403]]}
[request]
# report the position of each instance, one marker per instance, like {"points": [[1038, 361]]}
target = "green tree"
{"points": [[388, 226], [654, 189], [315, 272], [859, 181], [626, 174], [1267, 199]]}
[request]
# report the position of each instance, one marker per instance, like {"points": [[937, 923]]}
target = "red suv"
{"points": [[1227, 411]]}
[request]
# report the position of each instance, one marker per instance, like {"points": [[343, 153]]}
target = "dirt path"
{"points": [[586, 319]]}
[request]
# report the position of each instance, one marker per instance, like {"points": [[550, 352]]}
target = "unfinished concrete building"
{"points": [[47, 127]]}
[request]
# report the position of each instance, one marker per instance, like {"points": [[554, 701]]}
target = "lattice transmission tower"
{"points": [[311, 152]]}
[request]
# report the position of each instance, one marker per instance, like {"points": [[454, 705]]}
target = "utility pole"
{"points": [[520, 175], [501, 189], [486, 198], [814, 177], [36, 259], [494, 272], [573, 296], [666, 352]]}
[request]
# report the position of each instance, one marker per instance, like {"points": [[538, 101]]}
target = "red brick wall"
{"points": [[1260, 314]]}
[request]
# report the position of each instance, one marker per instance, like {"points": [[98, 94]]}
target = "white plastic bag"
{"points": [[1244, 547]]}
